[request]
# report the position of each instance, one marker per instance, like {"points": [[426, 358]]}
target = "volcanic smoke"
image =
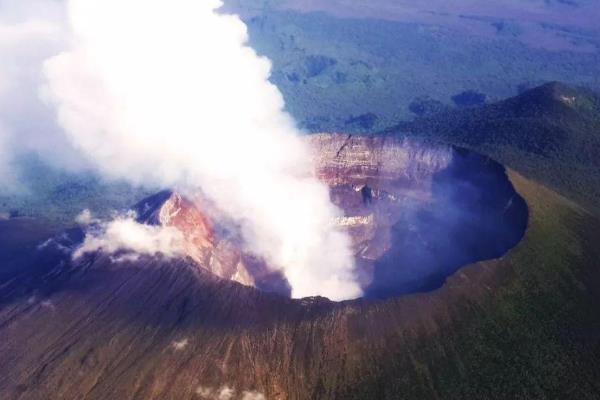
{"points": [[168, 93]]}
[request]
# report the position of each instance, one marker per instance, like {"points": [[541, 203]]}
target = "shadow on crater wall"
{"points": [[476, 215]]}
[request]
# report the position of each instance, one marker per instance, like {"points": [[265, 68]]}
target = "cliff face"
{"points": [[343, 159], [377, 181], [155, 328]]}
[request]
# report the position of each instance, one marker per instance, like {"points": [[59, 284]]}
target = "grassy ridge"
{"points": [[550, 133], [537, 338]]}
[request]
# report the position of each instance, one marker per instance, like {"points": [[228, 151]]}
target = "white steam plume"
{"points": [[167, 92], [30, 32], [8, 181], [124, 233]]}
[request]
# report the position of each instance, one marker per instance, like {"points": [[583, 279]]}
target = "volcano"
{"points": [[220, 320]]}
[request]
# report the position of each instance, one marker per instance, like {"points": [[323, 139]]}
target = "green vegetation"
{"points": [[332, 70], [58, 196], [536, 338], [550, 133]]}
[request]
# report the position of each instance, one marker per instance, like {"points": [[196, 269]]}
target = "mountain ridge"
{"points": [[550, 133]]}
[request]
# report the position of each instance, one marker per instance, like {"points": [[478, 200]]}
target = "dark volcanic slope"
{"points": [[551, 133], [19, 237], [519, 327]]}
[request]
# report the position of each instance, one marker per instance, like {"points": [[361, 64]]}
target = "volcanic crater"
{"points": [[155, 328], [416, 212]]}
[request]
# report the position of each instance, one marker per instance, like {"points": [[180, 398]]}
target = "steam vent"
{"points": [[416, 213]]}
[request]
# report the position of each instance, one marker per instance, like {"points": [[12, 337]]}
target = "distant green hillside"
{"points": [[58, 196], [550, 133], [360, 74]]}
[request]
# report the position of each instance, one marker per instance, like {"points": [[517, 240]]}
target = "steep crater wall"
{"points": [[416, 211]]}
